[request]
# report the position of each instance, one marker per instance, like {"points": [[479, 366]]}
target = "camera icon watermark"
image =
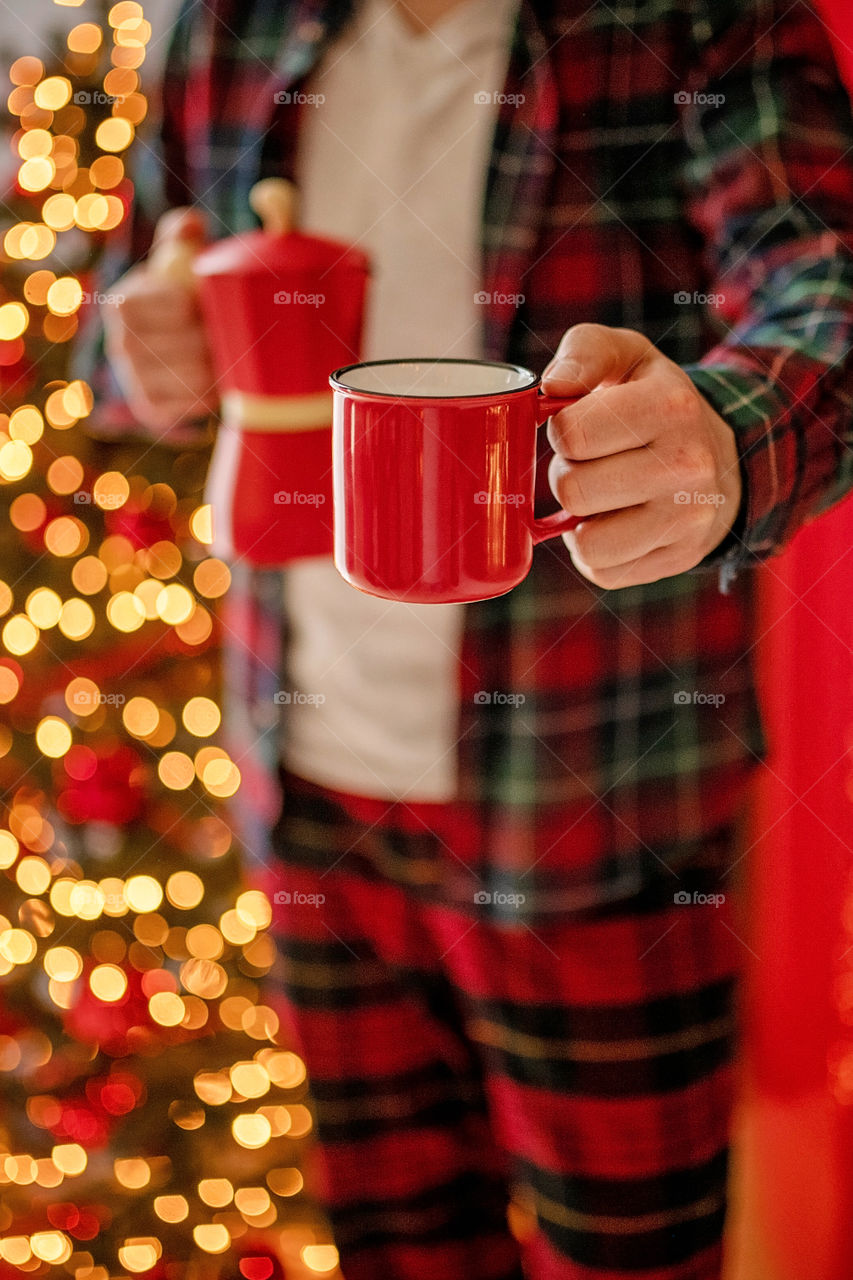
{"points": [[696, 899], [484, 99], [498, 699], [483, 898], [286, 97], [484, 298], [99, 299], [97, 98], [286, 298], [106, 501], [296, 698], [82, 700], [484, 499], [684, 499], [693, 698], [295, 498], [684, 99], [697, 299], [286, 898]]}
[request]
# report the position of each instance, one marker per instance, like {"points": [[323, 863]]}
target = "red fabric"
{"points": [[587, 1060], [802, 879]]}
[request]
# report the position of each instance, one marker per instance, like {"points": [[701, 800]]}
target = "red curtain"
{"points": [[798, 1130]]}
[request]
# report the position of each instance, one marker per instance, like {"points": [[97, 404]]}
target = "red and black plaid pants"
{"points": [[582, 1066]]}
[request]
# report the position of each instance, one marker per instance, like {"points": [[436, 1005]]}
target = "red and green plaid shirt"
{"points": [[650, 155]]}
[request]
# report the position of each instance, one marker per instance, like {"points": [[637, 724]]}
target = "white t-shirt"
{"points": [[395, 159]]}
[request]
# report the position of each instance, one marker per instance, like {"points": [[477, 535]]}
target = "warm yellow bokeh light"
{"points": [[14, 319], [134, 1173], [252, 1201], [201, 717], [321, 1258], [250, 1079], [125, 612], [140, 1255], [35, 142], [37, 241], [27, 424], [175, 603], [140, 717], [10, 685], [221, 778], [65, 474], [70, 1157], [92, 212], [26, 70], [35, 175], [8, 849], [114, 134], [82, 696], [285, 1182], [53, 93], [185, 890], [111, 490], [63, 963], [16, 459], [58, 211], [176, 770], [251, 1131], [65, 296], [19, 635], [18, 945], [213, 1087], [212, 1237], [66, 536], [212, 578], [216, 1192], [89, 575], [44, 608], [32, 875], [85, 38], [143, 893], [85, 901], [77, 620], [167, 1009], [106, 171], [171, 1208], [253, 908], [108, 982], [51, 1246]]}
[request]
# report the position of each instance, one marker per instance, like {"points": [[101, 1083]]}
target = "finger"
{"points": [[590, 354], [613, 419], [663, 562], [158, 307], [608, 484], [621, 537]]}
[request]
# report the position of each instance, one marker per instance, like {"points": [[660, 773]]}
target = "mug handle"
{"points": [[561, 521]]}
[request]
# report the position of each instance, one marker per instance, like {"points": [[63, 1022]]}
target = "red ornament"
{"points": [[112, 792], [109, 1024]]}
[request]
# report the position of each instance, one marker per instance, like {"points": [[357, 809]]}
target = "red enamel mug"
{"points": [[434, 466]]}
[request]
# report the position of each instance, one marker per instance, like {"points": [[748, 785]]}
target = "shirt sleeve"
{"points": [[770, 189]]}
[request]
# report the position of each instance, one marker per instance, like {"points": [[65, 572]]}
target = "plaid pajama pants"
{"points": [[580, 1068]]}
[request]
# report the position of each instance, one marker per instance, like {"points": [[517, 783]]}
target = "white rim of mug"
{"points": [[336, 379]]}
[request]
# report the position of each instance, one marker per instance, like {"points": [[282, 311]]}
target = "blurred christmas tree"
{"points": [[152, 1121]]}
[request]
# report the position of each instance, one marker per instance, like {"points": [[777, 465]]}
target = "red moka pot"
{"points": [[282, 310]]}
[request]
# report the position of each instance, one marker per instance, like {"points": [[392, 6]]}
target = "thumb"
{"points": [[178, 237], [181, 224], [590, 354]]}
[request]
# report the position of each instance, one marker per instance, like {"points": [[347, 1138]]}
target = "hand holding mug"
{"points": [[642, 458], [155, 339]]}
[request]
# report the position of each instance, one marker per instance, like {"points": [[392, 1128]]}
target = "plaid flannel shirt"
{"points": [[661, 153]]}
